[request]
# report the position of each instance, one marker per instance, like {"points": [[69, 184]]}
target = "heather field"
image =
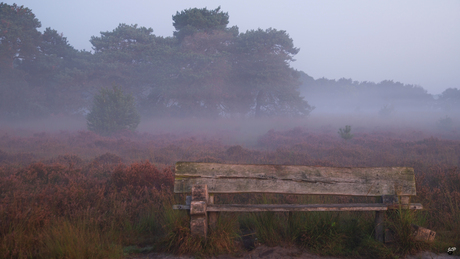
{"points": [[74, 194]]}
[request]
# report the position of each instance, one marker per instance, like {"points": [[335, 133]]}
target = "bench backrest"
{"points": [[290, 179]]}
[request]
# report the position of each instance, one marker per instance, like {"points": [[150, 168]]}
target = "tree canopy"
{"points": [[262, 68], [191, 21], [18, 34], [206, 69]]}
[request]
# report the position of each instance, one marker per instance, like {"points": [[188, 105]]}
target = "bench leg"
{"points": [[212, 216], [199, 225], [379, 217], [198, 213]]}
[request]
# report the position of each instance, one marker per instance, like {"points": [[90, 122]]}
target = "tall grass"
{"points": [[326, 233], [400, 223], [79, 240], [18, 241], [178, 238]]}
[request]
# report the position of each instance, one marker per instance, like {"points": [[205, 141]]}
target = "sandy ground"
{"points": [[280, 252]]}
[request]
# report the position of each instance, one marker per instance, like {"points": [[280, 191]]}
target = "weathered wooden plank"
{"points": [[234, 178], [413, 206], [296, 207], [410, 206], [181, 207]]}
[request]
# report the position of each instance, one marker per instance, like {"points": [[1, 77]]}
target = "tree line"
{"points": [[206, 69], [385, 97]]}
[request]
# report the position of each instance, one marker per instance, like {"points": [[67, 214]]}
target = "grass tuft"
{"points": [[400, 223], [81, 239]]}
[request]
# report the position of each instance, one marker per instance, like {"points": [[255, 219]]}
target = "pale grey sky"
{"points": [[411, 41]]}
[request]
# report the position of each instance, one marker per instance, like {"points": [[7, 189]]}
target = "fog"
{"points": [[223, 79], [404, 125]]}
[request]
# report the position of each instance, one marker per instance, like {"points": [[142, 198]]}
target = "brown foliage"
{"points": [[100, 179], [141, 175]]}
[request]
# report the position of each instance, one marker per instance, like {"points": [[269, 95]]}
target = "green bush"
{"points": [[346, 133], [445, 123], [112, 111]]}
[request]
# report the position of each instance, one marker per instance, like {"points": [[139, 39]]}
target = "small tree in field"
{"points": [[346, 133], [445, 123], [112, 111]]}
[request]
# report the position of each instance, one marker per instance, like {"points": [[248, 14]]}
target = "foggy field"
{"points": [[245, 131], [89, 139], [55, 169]]}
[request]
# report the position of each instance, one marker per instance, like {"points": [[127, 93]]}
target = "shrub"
{"points": [[345, 133], [445, 123], [112, 111]]}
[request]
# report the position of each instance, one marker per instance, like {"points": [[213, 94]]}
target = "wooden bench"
{"points": [[394, 185]]}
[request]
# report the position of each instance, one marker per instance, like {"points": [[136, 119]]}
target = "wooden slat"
{"points": [[413, 206], [296, 207], [286, 179], [181, 207]]}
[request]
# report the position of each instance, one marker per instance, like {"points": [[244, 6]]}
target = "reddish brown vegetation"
{"points": [[39, 185], [106, 193]]}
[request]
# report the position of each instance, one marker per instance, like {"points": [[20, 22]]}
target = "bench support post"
{"points": [[212, 216], [379, 217], [198, 215], [405, 201]]}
